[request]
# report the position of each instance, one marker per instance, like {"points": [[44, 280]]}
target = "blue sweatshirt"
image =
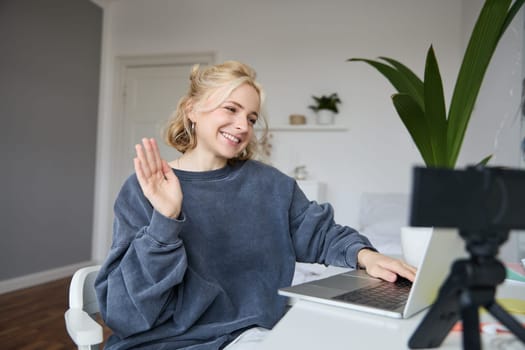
{"points": [[198, 281]]}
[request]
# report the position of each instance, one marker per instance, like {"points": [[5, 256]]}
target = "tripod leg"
{"points": [[507, 320], [471, 337], [436, 324], [443, 314]]}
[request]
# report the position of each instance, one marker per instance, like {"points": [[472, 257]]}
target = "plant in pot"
{"points": [[437, 133], [325, 108]]}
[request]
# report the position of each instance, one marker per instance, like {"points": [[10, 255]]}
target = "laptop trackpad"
{"points": [[345, 283]]}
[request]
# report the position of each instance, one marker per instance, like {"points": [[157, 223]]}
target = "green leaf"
{"points": [[435, 109], [401, 82], [414, 119], [514, 9], [415, 84], [480, 49], [485, 160]]}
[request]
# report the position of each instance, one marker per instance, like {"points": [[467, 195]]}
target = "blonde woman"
{"points": [[202, 244]]}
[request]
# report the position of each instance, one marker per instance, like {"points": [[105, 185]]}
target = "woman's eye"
{"points": [[253, 121], [231, 109]]}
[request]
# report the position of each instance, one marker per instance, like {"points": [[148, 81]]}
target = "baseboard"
{"points": [[40, 277]]}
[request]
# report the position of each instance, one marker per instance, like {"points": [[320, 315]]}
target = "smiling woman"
{"points": [[202, 244]]}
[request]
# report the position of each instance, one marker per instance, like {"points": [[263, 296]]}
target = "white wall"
{"points": [[299, 48], [495, 126]]}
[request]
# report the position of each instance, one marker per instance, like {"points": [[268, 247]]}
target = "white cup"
{"points": [[414, 242]]}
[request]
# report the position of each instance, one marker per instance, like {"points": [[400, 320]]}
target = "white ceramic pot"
{"points": [[414, 243], [325, 117]]}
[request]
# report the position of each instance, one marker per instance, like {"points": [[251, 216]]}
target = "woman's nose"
{"points": [[241, 122]]}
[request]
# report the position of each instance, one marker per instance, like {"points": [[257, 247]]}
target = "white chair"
{"points": [[85, 332]]}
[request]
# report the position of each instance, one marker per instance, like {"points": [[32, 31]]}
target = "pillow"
{"points": [[381, 216]]}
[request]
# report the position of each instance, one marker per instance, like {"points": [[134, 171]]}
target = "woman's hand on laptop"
{"points": [[384, 267]]}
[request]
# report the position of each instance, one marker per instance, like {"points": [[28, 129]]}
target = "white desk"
{"points": [[310, 325]]}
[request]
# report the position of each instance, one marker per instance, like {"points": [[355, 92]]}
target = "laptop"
{"points": [[348, 289]]}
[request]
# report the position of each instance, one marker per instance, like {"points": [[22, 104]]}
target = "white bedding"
{"points": [[381, 217]]}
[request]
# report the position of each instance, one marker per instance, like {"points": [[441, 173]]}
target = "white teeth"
{"points": [[230, 137]]}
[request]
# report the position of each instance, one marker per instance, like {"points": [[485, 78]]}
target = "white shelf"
{"points": [[306, 127]]}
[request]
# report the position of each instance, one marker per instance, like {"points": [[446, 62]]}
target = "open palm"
{"points": [[157, 180]]}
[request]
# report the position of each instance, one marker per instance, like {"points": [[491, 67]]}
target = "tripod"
{"points": [[470, 284]]}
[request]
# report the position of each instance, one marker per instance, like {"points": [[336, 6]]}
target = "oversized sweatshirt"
{"points": [[196, 282]]}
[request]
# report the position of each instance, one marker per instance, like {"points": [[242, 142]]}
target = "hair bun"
{"points": [[195, 70]]}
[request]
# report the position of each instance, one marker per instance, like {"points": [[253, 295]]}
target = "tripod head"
{"points": [[483, 244], [484, 203]]}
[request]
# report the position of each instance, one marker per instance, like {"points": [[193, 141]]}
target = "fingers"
{"points": [[411, 268], [138, 170], [141, 162], [156, 154], [149, 160], [408, 273], [388, 268], [384, 274], [151, 154], [401, 268], [166, 170]]}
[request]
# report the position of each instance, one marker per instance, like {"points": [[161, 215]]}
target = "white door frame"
{"points": [[109, 139]]}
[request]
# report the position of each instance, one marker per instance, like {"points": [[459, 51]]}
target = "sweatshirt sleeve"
{"points": [[136, 284], [317, 238]]}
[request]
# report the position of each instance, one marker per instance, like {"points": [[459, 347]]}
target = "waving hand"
{"points": [[157, 180]]}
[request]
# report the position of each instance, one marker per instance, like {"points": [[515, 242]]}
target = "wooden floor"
{"points": [[33, 318]]}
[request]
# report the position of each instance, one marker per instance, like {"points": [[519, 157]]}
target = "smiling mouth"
{"points": [[230, 137]]}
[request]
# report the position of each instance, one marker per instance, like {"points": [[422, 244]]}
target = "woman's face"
{"points": [[225, 131]]}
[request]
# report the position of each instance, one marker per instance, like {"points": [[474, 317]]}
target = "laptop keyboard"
{"points": [[387, 296]]}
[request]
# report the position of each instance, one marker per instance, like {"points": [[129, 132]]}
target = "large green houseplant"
{"points": [[438, 135]]}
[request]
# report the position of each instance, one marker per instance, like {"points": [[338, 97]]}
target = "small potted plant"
{"points": [[325, 108]]}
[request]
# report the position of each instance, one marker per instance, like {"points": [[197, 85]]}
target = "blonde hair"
{"points": [[209, 87]]}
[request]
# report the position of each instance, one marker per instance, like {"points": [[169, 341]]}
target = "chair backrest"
{"points": [[82, 290]]}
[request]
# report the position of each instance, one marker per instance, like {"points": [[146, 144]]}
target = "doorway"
{"points": [[147, 91]]}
